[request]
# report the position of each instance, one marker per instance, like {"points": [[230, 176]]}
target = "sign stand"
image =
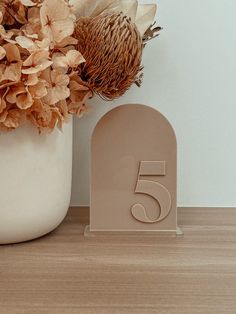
{"points": [[133, 174]]}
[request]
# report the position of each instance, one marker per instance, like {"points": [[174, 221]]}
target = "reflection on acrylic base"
{"points": [[133, 173]]}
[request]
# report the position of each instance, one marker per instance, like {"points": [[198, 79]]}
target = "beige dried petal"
{"points": [[66, 44], [34, 15], [41, 115], [61, 29], [3, 115], [14, 91], [10, 40], [11, 72], [39, 90], [13, 12], [39, 67], [25, 42], [12, 52], [78, 96], [72, 59], [43, 44], [32, 79], [145, 16], [36, 57], [36, 62], [1, 17], [13, 119], [16, 32], [32, 36], [28, 3], [46, 76], [2, 53], [92, 7], [78, 88], [6, 35], [7, 84], [128, 7], [63, 108], [24, 101], [33, 27], [59, 79], [31, 42], [20, 12], [56, 94], [56, 117], [2, 105], [68, 41], [78, 109], [58, 86], [56, 23], [75, 86]]}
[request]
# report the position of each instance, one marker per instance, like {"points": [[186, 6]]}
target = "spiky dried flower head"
{"points": [[112, 47]]}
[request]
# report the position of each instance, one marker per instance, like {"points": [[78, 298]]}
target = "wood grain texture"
{"points": [[65, 273]]}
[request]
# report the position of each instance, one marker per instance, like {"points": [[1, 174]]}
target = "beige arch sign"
{"points": [[133, 171]]}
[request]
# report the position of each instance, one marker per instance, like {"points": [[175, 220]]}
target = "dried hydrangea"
{"points": [[37, 62]]}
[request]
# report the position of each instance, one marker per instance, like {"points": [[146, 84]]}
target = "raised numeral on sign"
{"points": [[152, 188]]}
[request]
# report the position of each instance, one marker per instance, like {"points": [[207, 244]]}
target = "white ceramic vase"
{"points": [[35, 182]]}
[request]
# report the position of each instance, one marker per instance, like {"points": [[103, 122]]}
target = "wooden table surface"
{"points": [[66, 273]]}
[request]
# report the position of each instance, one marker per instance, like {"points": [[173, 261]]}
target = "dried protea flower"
{"points": [[112, 47]]}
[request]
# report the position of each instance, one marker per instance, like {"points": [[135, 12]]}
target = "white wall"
{"points": [[190, 76]]}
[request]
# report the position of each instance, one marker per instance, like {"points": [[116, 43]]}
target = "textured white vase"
{"points": [[35, 182]]}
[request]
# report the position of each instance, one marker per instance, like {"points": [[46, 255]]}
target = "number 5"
{"points": [[154, 189]]}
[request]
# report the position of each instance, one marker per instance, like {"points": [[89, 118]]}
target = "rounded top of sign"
{"points": [[130, 110]]}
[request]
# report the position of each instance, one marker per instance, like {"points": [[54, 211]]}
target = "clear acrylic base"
{"points": [[159, 233]]}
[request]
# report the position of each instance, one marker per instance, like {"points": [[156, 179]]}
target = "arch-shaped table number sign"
{"points": [[133, 172]]}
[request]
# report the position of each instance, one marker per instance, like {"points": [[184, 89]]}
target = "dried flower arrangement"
{"points": [[56, 54]]}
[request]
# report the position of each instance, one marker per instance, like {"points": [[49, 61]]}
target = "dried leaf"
{"points": [[127, 7], [92, 7], [145, 16]]}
